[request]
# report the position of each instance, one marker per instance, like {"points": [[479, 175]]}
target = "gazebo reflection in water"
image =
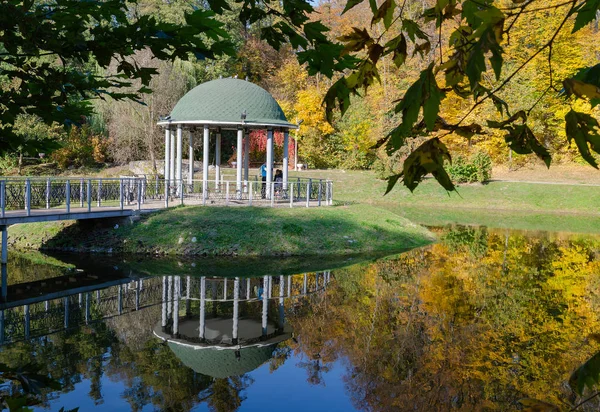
{"points": [[231, 326]]}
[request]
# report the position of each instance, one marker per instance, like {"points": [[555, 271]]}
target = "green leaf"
{"points": [[581, 89], [350, 4], [392, 180], [385, 12], [470, 8], [587, 374], [356, 40], [586, 14], [413, 30], [315, 30], [17, 403], [218, 6], [521, 140], [584, 129], [586, 82], [339, 92], [373, 5], [398, 47], [427, 158], [432, 97], [423, 93]]}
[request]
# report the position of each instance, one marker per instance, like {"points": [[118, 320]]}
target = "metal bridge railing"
{"points": [[87, 194]]}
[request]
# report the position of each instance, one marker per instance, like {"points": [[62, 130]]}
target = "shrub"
{"points": [[7, 162], [81, 148], [478, 168]]}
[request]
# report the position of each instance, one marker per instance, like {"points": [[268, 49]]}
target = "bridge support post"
{"points": [[81, 193], [28, 197], [4, 281], [68, 196], [99, 192], [48, 186], [3, 197], [89, 195], [4, 230], [121, 193]]}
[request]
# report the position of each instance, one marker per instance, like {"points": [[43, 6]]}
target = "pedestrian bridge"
{"points": [[33, 199]]}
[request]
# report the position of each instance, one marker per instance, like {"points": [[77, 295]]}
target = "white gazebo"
{"points": [[217, 105]]}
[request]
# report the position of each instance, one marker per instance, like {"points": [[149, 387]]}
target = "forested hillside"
{"points": [[418, 32]]}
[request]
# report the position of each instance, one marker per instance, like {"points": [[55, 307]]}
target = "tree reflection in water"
{"points": [[480, 320]]}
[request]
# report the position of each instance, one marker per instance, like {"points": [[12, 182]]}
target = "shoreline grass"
{"points": [[500, 204], [220, 231]]}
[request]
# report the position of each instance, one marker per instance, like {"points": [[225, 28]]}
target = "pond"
{"points": [[480, 320]]}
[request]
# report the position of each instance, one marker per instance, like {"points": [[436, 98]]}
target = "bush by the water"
{"points": [[478, 168]]}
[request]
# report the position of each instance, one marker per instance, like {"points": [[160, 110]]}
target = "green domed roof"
{"points": [[224, 101], [222, 363]]}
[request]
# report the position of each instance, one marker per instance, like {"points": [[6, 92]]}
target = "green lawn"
{"points": [[520, 205], [244, 231]]}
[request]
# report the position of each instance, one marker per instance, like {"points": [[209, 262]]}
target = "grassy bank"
{"points": [[232, 231], [520, 205]]}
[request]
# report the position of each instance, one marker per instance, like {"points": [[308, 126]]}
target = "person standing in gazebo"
{"points": [[263, 175]]}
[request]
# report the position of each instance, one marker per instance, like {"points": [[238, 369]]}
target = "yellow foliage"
{"points": [[310, 110]]}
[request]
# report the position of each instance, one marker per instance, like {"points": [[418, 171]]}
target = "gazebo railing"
{"points": [[297, 192]]}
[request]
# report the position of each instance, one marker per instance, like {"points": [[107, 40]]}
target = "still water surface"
{"points": [[478, 321]]}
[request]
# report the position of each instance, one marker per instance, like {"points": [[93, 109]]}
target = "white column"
{"points": [[281, 309], [169, 295], [269, 161], [286, 155], [236, 303], [191, 160], [246, 155], [205, 161], [164, 303], [218, 158], [172, 159], [239, 158], [179, 156], [265, 306], [167, 153], [176, 306], [202, 307]]}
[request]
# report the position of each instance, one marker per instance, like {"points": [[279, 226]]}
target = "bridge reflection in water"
{"points": [[217, 326]]}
